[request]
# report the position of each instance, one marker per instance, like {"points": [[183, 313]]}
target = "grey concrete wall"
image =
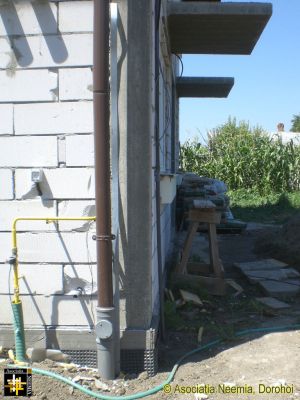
{"points": [[135, 129]]}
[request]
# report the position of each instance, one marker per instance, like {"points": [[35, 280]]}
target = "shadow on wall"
{"points": [[41, 190], [85, 302], [22, 54]]}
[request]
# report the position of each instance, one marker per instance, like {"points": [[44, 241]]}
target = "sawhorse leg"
{"points": [[193, 227]]}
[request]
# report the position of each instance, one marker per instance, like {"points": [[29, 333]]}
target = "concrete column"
{"points": [[135, 50]]}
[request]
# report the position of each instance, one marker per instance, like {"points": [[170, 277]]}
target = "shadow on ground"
{"points": [[270, 212]]}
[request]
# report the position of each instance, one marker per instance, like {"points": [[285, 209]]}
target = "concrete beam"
{"points": [[216, 28], [203, 87], [135, 168]]}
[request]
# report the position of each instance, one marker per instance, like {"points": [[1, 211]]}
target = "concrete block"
{"points": [[277, 274], [5, 248], [6, 118], [6, 186], [57, 247], [33, 279], [76, 16], [28, 17], [7, 55], [38, 85], [58, 183], [50, 51], [272, 303], [61, 150], [80, 276], [51, 247], [80, 150], [75, 83], [54, 118], [33, 208], [76, 208], [52, 310], [263, 265], [28, 151], [290, 287]]}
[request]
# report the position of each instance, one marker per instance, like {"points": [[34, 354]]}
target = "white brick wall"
{"points": [[80, 150], [60, 183], [75, 83], [84, 276], [30, 208], [24, 151], [59, 75], [6, 184], [54, 118], [33, 279], [49, 51], [76, 208], [76, 16], [52, 310], [6, 119], [84, 272], [7, 57], [50, 247], [26, 17], [6, 246], [30, 85]]}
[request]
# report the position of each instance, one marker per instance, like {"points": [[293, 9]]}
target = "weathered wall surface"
{"points": [[46, 123]]}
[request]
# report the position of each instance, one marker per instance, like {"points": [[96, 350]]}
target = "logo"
{"points": [[17, 382]]}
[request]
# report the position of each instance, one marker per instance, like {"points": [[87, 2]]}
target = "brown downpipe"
{"points": [[102, 153], [105, 327]]}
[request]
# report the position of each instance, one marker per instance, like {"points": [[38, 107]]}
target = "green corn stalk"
{"points": [[245, 158]]}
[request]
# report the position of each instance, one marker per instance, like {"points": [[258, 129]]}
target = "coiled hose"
{"points": [[172, 373], [19, 331]]}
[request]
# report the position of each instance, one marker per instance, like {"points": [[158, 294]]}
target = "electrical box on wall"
{"points": [[167, 188]]}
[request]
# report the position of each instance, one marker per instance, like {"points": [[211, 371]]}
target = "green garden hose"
{"points": [[172, 373], [19, 331]]}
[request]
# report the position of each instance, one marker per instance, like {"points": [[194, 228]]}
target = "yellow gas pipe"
{"points": [[15, 246], [16, 302]]}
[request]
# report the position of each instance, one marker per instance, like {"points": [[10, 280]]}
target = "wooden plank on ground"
{"points": [[191, 297], [214, 286], [235, 286], [200, 334]]}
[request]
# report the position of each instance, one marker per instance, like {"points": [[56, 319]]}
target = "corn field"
{"points": [[244, 158]]}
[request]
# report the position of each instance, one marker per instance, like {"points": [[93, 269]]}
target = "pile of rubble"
{"points": [[195, 187]]}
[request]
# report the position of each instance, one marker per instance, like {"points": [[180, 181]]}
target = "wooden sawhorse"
{"points": [[204, 211]]}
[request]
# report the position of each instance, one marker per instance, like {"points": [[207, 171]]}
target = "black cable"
{"points": [[181, 62]]}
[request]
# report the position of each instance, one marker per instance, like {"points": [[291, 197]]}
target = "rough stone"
{"points": [[290, 287], [272, 303], [278, 274], [262, 265]]}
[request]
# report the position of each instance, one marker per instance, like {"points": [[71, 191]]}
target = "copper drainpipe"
{"points": [[105, 325]]}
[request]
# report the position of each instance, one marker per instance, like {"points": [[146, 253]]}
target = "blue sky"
{"points": [[267, 82]]}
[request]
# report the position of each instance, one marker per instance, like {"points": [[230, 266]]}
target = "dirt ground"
{"points": [[256, 366]]}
